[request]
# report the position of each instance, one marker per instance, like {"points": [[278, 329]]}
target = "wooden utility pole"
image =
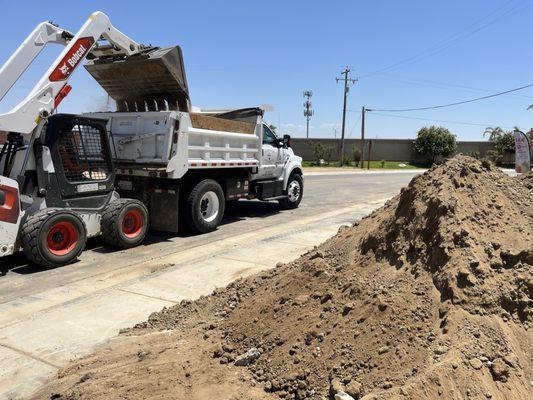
{"points": [[346, 81], [363, 112]]}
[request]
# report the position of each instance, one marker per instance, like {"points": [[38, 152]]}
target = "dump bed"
{"points": [[172, 142], [152, 80]]}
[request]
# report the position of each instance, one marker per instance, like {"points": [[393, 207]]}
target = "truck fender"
{"points": [[293, 165]]}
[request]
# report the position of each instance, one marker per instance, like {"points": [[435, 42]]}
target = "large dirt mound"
{"points": [[428, 297]]}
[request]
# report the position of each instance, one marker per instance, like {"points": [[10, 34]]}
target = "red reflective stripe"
{"points": [[65, 90]]}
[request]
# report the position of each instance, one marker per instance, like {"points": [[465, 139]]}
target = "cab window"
{"points": [[269, 137]]}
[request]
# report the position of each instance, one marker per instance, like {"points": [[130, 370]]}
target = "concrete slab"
{"points": [[20, 374], [73, 330]]}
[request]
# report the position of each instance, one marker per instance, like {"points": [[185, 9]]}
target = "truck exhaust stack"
{"points": [[153, 80]]}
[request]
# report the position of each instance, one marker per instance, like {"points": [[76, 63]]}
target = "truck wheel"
{"points": [[124, 223], [205, 206], [295, 191], [53, 238]]}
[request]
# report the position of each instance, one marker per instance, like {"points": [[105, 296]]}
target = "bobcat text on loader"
{"points": [[156, 160]]}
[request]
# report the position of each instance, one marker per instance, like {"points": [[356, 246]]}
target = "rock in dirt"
{"points": [[343, 396], [247, 358]]}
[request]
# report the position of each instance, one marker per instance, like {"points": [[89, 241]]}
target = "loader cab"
{"points": [[74, 164]]}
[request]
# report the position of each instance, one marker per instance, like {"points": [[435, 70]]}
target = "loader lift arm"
{"points": [[20, 60], [52, 88]]}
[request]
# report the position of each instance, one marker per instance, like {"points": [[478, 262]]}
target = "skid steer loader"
{"points": [[56, 170]]}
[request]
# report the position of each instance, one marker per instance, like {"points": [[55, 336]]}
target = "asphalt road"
{"points": [[48, 317]]}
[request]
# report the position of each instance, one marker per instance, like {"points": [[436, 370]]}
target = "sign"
{"points": [[70, 61], [522, 152]]}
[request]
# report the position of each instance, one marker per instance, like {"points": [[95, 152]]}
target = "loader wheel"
{"points": [[124, 223], [52, 238], [205, 206], [295, 191]]}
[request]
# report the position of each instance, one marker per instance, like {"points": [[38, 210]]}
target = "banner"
{"points": [[522, 152]]}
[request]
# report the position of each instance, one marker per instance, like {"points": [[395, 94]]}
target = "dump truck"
{"points": [[155, 160]]}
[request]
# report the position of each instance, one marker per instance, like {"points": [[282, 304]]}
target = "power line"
{"points": [[440, 120], [448, 42], [442, 85], [456, 103]]}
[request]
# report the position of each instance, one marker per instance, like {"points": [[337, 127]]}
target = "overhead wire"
{"points": [[441, 120], [454, 103], [448, 42]]}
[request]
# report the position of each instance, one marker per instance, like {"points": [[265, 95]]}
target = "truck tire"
{"points": [[53, 238], [124, 223], [294, 192], [205, 206]]}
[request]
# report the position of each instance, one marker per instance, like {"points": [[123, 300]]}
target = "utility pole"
{"points": [[347, 82], [308, 111], [363, 113]]}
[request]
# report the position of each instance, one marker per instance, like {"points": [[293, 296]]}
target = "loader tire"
{"points": [[124, 223], [205, 206], [295, 192], [53, 238]]}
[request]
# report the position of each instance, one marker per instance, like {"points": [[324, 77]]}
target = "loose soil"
{"points": [[428, 297]]}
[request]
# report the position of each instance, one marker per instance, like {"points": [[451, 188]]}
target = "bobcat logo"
{"points": [[64, 69]]}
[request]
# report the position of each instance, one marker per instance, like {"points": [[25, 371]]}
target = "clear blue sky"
{"points": [[246, 53]]}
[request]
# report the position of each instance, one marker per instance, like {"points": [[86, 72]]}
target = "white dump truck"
{"points": [[156, 159]]}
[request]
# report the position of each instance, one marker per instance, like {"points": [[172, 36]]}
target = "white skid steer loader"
{"points": [[56, 170]]}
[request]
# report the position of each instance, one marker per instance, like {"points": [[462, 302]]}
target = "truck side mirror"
{"points": [[286, 141]]}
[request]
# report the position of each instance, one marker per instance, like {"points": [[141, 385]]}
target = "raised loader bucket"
{"points": [[150, 81]]}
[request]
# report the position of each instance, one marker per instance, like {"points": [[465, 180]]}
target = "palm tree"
{"points": [[494, 133]]}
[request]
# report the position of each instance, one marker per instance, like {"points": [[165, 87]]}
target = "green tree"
{"points": [[503, 143], [493, 132], [435, 141]]}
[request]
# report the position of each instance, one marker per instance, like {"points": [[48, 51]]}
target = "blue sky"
{"points": [[245, 53]]}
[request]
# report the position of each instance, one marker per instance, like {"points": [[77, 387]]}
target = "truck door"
{"points": [[271, 155]]}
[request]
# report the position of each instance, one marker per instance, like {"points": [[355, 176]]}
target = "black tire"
{"points": [[198, 214], [53, 238], [124, 223], [295, 183]]}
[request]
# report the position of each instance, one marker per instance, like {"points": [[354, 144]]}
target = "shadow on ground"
{"points": [[235, 211]]}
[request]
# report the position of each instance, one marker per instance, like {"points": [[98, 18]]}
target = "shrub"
{"points": [[435, 141], [319, 151], [356, 154], [382, 163]]}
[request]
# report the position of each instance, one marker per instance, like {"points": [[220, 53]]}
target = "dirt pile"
{"points": [[428, 297]]}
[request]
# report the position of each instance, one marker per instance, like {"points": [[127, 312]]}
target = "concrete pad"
{"points": [[63, 333], [20, 374], [192, 280]]}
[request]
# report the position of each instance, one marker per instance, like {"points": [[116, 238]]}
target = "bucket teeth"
{"points": [[153, 80]]}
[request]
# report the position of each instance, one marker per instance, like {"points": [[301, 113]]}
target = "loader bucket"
{"points": [[150, 81]]}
